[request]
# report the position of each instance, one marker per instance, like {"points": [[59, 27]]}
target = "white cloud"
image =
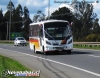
{"points": [[32, 5], [68, 6], [97, 10], [56, 7], [96, 7], [52, 9], [37, 3]]}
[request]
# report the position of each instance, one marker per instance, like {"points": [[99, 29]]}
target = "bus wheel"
{"points": [[43, 51], [69, 52], [34, 49]]}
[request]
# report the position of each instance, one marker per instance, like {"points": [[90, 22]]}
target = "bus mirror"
{"points": [[71, 25]]}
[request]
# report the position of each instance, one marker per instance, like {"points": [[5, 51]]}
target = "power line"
{"points": [[14, 22]]}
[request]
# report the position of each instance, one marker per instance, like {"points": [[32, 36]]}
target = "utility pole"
{"points": [[48, 9], [10, 8], [7, 32]]}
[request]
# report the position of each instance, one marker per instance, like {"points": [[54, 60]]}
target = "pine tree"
{"points": [[26, 22], [17, 19], [1, 24]]}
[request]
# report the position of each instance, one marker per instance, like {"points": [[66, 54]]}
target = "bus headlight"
{"points": [[48, 43], [70, 41]]}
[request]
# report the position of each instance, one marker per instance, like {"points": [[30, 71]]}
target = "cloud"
{"points": [[34, 5], [97, 10], [37, 3], [51, 9], [5, 2], [56, 6]]}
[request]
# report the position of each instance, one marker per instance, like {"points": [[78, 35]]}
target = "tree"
{"points": [[62, 14], [2, 26], [96, 27], [26, 22], [40, 16], [8, 15], [10, 8], [85, 16], [17, 19], [1, 15]]}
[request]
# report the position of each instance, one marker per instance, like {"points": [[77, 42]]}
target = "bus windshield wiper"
{"points": [[49, 35]]}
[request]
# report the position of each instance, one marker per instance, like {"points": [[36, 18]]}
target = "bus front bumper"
{"points": [[57, 48]]}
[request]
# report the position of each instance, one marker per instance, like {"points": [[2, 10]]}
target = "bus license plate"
{"points": [[59, 48]]}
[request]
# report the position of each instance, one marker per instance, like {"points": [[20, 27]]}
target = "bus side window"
{"points": [[31, 31], [41, 33]]}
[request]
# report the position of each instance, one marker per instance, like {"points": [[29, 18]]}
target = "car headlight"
{"points": [[18, 41], [25, 41]]}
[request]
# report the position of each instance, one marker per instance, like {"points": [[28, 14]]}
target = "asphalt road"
{"points": [[80, 64]]}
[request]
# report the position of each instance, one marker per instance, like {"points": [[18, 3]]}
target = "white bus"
{"points": [[50, 36]]}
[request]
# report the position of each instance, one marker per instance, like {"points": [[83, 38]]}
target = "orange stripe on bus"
{"points": [[33, 40]]}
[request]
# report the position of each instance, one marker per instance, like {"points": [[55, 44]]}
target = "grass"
{"points": [[6, 42], [84, 46], [12, 65]]}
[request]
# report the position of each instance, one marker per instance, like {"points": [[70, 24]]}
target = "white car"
{"points": [[20, 41]]}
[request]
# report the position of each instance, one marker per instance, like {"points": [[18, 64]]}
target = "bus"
{"points": [[51, 36]]}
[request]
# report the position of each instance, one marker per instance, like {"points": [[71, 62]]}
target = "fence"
{"points": [[93, 45]]}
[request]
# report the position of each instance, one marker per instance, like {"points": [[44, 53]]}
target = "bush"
{"points": [[93, 38]]}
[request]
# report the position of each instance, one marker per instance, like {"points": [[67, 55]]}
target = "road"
{"points": [[80, 64]]}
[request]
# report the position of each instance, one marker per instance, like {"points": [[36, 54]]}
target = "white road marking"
{"points": [[87, 71], [94, 56]]}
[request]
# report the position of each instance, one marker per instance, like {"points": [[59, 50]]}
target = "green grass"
{"points": [[84, 46], [12, 65], [6, 42]]}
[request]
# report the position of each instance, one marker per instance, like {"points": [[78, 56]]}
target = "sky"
{"points": [[35, 5]]}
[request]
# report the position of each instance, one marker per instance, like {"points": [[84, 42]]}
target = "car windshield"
{"points": [[20, 38], [57, 29]]}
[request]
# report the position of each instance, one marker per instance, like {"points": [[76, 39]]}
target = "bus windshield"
{"points": [[56, 30]]}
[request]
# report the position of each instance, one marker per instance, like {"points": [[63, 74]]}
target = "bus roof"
{"points": [[47, 21]]}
